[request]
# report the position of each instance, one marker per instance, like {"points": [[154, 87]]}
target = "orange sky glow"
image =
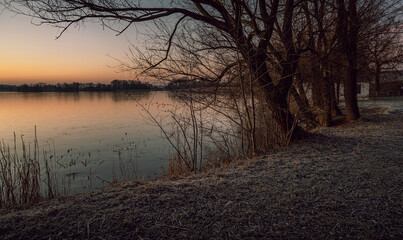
{"points": [[31, 54]]}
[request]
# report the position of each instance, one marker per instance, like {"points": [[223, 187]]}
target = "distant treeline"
{"points": [[115, 85]]}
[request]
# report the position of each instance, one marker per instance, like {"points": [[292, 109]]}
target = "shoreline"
{"points": [[341, 182]]}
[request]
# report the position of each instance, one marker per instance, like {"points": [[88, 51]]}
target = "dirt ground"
{"points": [[341, 182]]}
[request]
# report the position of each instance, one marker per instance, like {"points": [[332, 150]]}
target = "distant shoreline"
{"points": [[115, 85], [116, 90]]}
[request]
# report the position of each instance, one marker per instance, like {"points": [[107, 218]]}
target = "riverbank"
{"points": [[342, 182]]}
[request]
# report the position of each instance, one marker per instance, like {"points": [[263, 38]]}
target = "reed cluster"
{"points": [[21, 181]]}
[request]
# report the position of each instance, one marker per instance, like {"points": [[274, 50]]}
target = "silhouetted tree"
{"points": [[250, 25], [255, 45]]}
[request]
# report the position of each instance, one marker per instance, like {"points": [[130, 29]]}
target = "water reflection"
{"points": [[96, 135], [76, 96]]}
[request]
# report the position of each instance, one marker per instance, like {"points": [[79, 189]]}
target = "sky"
{"points": [[31, 54]]}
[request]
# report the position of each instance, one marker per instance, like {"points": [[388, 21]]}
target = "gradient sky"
{"points": [[31, 54]]}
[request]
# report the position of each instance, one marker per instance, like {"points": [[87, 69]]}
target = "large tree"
{"points": [[249, 25], [272, 43]]}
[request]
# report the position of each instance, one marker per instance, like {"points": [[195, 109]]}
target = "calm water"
{"points": [[96, 136]]}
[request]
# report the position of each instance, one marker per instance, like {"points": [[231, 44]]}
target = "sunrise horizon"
{"points": [[49, 77], [17, 82], [31, 54]]}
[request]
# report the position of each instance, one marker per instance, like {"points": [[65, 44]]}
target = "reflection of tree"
{"points": [[130, 96]]}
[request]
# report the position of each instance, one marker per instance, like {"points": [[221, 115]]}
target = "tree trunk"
{"points": [[317, 100], [338, 91], [333, 99], [350, 85], [276, 98], [334, 103], [350, 93], [327, 114], [286, 127], [306, 113], [377, 78], [275, 94], [301, 90]]}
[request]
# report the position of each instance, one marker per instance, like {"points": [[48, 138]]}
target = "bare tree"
{"points": [[249, 25], [255, 48], [381, 38]]}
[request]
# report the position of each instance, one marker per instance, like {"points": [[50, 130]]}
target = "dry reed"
{"points": [[21, 181]]}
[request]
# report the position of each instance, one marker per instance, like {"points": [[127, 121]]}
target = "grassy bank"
{"points": [[343, 182]]}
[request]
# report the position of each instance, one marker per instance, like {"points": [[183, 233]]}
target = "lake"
{"points": [[94, 137]]}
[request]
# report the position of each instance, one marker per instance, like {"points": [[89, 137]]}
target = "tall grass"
{"points": [[30, 173], [214, 126], [199, 137], [21, 181]]}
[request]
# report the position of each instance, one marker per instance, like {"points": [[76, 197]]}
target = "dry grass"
{"points": [[21, 181], [19, 176], [343, 182]]}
